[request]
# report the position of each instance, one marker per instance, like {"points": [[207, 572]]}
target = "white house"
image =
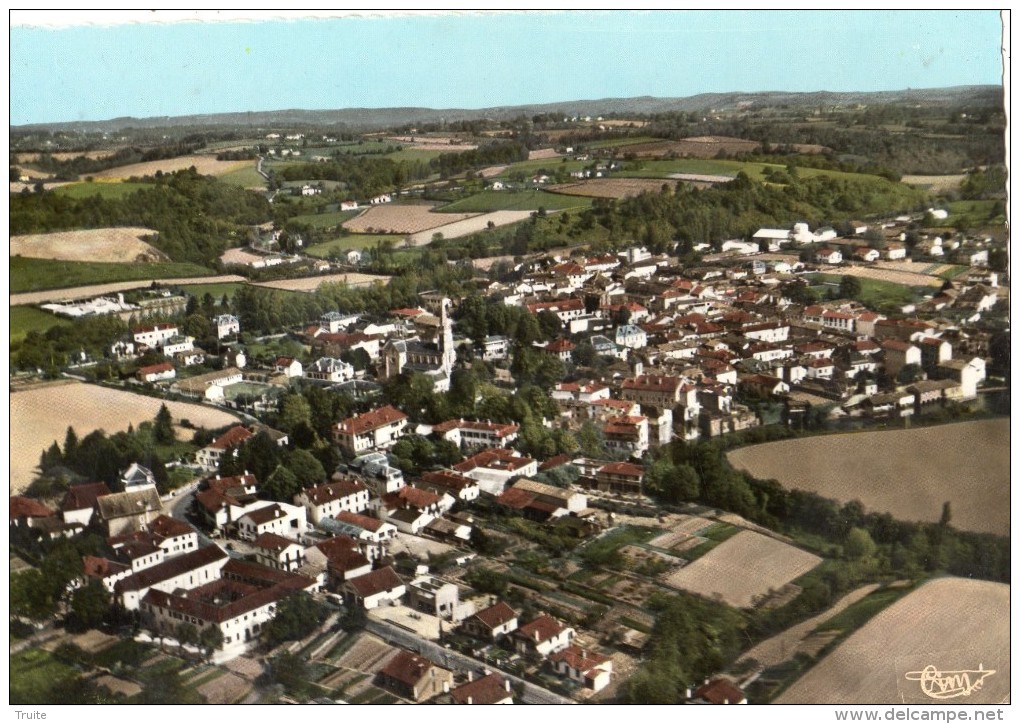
{"points": [[288, 366], [377, 429], [329, 370], [226, 325], [155, 334], [374, 589], [330, 499], [632, 336], [588, 668], [280, 518], [543, 636]]}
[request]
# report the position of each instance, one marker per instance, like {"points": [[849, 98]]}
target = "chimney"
{"points": [[688, 693], [471, 676], [506, 684], [469, 701]]}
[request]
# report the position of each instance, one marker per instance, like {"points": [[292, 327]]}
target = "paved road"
{"points": [[447, 658]]}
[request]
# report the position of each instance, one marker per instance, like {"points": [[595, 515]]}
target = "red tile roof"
{"points": [[579, 659], [411, 497], [622, 469], [171, 568], [362, 521], [231, 438], [719, 691], [542, 628], [83, 496], [448, 479], [273, 542], [494, 459], [328, 492], [489, 689], [167, 527], [373, 420], [384, 579], [22, 507], [406, 667], [496, 615], [655, 383]]}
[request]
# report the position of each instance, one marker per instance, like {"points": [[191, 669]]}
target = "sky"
{"points": [[110, 68]]}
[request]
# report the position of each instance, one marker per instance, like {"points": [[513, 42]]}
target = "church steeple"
{"points": [[446, 341]]}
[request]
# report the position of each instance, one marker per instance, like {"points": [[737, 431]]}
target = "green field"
{"points": [[353, 241], [986, 212], [246, 178], [28, 319], [627, 141], [33, 275], [550, 164], [515, 201], [87, 189], [36, 677], [663, 168], [875, 293], [325, 221]]}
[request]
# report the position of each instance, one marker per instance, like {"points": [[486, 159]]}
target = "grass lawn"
{"points": [[27, 319], [665, 167], [33, 275], [36, 677], [986, 212], [875, 292], [550, 164], [107, 190], [246, 177], [352, 241], [515, 201], [953, 272], [325, 221]]}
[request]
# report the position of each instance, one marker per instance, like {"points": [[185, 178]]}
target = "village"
{"points": [[433, 579]]}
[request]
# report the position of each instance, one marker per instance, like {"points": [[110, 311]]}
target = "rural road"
{"points": [[97, 290], [447, 658]]}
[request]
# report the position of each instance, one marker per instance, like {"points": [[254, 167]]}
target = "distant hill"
{"points": [[374, 118]]}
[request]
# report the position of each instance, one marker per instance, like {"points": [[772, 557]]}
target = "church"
{"points": [[430, 351]]}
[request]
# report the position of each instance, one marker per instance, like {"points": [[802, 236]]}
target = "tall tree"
{"points": [[163, 427]]}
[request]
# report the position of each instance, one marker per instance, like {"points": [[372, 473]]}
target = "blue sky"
{"points": [[99, 72]]}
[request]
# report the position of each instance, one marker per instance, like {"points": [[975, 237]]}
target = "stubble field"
{"points": [[908, 473], [205, 165], [400, 219], [42, 415], [743, 569], [120, 245], [954, 625]]}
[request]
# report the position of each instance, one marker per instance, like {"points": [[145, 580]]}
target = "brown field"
{"points": [[908, 473], [937, 184], [118, 686], [952, 624], [400, 219], [42, 414], [910, 279], [492, 171], [611, 188], [540, 153], [120, 245], [743, 569], [225, 689], [205, 165], [310, 284], [469, 225], [695, 147], [434, 143], [98, 290]]}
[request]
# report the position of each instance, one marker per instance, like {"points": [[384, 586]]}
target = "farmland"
{"points": [[876, 292], [119, 245], [697, 147], [96, 290], [614, 188], [908, 473], [105, 189], [326, 220], [935, 184], [31, 275], [952, 624], [399, 219], [246, 177], [27, 319], [352, 241], [205, 165], [744, 569], [85, 408], [310, 284], [530, 200], [470, 225]]}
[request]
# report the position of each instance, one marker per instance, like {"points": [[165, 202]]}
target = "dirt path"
{"points": [[783, 647], [97, 290]]}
